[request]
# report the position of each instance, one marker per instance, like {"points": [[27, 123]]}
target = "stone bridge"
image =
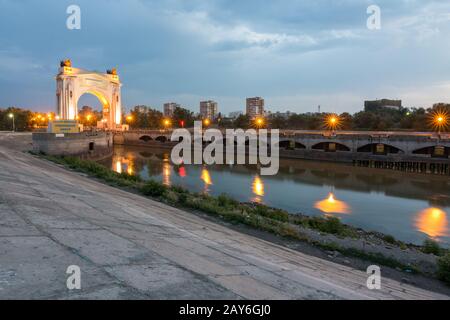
{"points": [[395, 144]]}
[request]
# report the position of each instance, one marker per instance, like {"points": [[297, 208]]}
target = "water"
{"points": [[410, 207]]}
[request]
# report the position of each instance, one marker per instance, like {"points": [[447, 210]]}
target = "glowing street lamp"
{"points": [[259, 122], [11, 115], [332, 122], [166, 123], [206, 122], [129, 118], [440, 120]]}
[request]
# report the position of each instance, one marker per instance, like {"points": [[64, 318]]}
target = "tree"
{"points": [[88, 117], [345, 121], [144, 117], [242, 122], [22, 119], [183, 118], [278, 122]]}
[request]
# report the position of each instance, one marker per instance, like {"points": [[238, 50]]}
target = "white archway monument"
{"points": [[72, 83]]}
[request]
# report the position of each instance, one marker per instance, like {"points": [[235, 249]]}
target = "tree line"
{"points": [[22, 119], [145, 117]]}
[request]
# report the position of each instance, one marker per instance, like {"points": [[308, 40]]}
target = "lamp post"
{"points": [[259, 122], [332, 122], [440, 121], [11, 115], [166, 123]]}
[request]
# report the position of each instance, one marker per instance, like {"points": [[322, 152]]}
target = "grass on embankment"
{"points": [[261, 217]]}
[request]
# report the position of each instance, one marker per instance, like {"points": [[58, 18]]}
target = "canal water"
{"points": [[411, 207]]}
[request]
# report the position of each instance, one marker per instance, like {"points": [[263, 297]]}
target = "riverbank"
{"points": [[338, 241]]}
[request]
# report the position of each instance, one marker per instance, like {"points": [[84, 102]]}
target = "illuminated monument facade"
{"points": [[72, 83]]}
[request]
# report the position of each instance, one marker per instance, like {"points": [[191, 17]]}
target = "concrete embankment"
{"points": [[128, 246], [87, 145]]}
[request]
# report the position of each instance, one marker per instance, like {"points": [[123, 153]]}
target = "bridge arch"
{"points": [[291, 144], [437, 151], [146, 138], [162, 139], [330, 146], [379, 148]]}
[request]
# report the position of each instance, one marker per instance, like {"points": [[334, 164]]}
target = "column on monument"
{"points": [[58, 98], [64, 113], [71, 108], [118, 107]]}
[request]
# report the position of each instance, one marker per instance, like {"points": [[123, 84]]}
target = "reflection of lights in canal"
{"points": [[182, 172], [433, 222], [205, 176], [130, 169], [118, 168], [332, 205], [119, 164], [166, 173], [258, 189]]}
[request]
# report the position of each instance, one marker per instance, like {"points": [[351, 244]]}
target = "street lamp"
{"points": [[440, 120], [332, 122], [166, 123], [206, 122], [259, 123], [11, 115]]}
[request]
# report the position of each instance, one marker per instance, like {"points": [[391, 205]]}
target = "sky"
{"points": [[296, 54]]}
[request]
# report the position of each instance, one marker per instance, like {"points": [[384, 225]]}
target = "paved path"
{"points": [[128, 247]]}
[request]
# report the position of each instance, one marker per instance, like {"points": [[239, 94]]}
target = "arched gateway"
{"points": [[72, 83]]}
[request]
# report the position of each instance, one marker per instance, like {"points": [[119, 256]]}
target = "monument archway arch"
{"points": [[72, 83]]}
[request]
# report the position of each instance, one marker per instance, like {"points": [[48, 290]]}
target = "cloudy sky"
{"points": [[297, 54]]}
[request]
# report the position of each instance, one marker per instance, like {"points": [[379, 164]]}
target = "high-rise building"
{"points": [[169, 108], [209, 109], [255, 107], [382, 104]]}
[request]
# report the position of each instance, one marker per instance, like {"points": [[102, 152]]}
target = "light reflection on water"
{"points": [[258, 189], [206, 178], [166, 172], [410, 207], [332, 205], [433, 222]]}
